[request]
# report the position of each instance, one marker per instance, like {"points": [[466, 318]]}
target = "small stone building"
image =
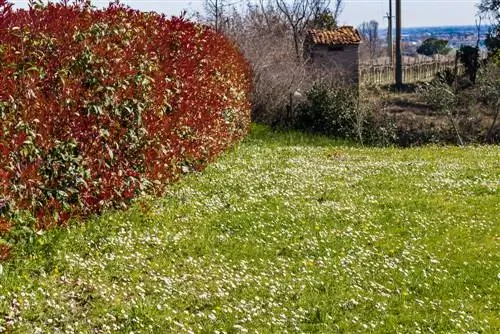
{"points": [[335, 51]]}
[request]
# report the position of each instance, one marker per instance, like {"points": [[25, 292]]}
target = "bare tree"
{"points": [[298, 14], [369, 30], [263, 16], [266, 11], [338, 8], [264, 35], [215, 10]]}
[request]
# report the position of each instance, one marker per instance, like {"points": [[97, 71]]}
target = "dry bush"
{"points": [[268, 40], [262, 36]]}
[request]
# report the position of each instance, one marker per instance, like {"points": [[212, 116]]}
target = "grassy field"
{"points": [[285, 233]]}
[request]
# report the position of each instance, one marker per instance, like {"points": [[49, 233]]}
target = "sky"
{"points": [[415, 13]]}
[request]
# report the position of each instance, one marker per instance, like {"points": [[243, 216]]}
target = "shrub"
{"points": [[345, 112], [469, 57], [441, 97], [330, 110], [432, 46], [375, 126], [489, 95], [98, 106]]}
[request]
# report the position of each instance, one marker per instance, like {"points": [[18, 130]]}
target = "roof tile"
{"points": [[340, 36]]}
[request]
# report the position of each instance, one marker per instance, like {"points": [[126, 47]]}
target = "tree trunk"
{"points": [[450, 117], [296, 39]]}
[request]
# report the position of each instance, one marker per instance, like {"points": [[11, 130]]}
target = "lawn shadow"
{"points": [[284, 137]]}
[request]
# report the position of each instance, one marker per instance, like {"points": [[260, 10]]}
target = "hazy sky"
{"points": [[415, 12]]}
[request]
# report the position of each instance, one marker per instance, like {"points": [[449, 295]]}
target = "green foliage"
{"points": [[330, 110], [288, 232], [495, 57], [491, 9], [344, 112], [489, 83], [489, 89], [447, 76], [469, 57], [432, 46], [442, 98], [324, 20], [493, 42]]}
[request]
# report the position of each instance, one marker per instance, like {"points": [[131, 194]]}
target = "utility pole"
{"points": [[399, 60], [390, 49]]}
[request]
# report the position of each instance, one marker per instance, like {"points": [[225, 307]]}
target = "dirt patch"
{"points": [[416, 123]]}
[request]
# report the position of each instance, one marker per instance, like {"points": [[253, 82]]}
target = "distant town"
{"points": [[456, 36]]}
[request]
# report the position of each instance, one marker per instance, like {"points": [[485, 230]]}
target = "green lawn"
{"points": [[285, 233]]}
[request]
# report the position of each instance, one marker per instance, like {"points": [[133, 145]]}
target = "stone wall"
{"points": [[341, 59]]}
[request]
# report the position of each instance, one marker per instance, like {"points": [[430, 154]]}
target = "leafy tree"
{"points": [[491, 9], [440, 96], [469, 57], [298, 14], [325, 20], [489, 88], [324, 17], [493, 44], [432, 46]]}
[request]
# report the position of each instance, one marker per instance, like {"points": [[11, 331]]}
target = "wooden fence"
{"points": [[414, 70]]}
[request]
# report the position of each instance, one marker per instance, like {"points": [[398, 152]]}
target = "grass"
{"points": [[285, 233]]}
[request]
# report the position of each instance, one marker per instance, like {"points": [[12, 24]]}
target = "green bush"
{"points": [[344, 112], [330, 110], [469, 57]]}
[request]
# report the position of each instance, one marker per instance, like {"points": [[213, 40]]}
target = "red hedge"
{"points": [[97, 106]]}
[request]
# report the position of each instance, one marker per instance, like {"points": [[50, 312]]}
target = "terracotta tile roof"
{"points": [[341, 36]]}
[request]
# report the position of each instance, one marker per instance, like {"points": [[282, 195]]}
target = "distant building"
{"points": [[335, 51]]}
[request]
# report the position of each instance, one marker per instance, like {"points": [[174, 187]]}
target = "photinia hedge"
{"points": [[98, 106]]}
